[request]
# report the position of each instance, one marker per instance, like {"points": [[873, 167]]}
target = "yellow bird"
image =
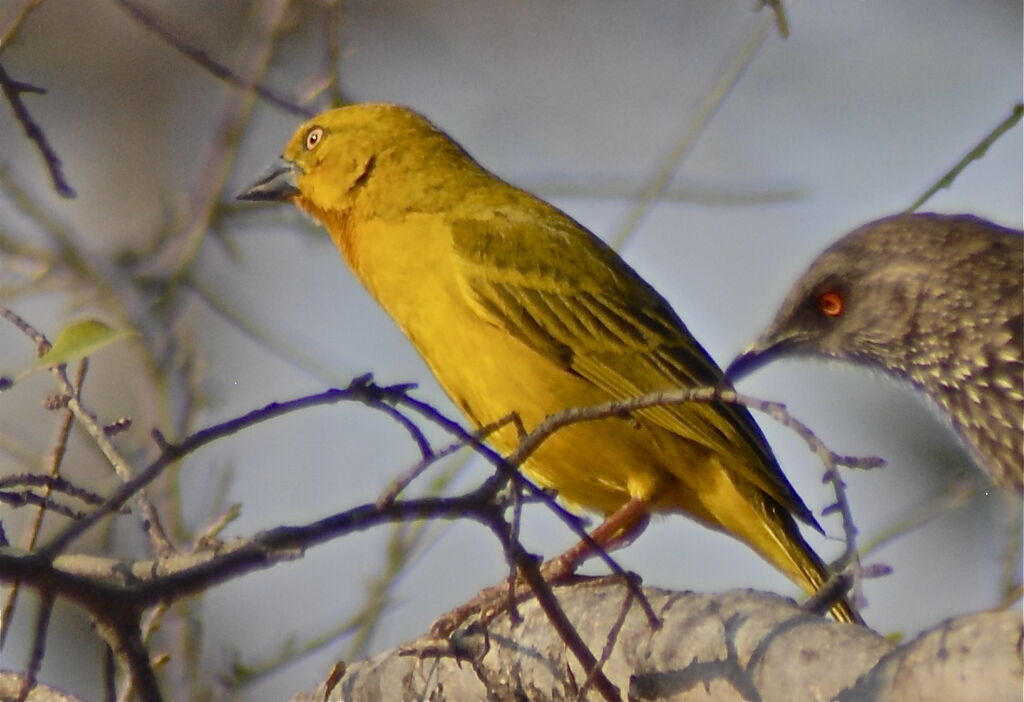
{"points": [[517, 308]]}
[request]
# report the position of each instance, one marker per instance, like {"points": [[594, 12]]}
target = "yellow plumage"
{"points": [[518, 308]]}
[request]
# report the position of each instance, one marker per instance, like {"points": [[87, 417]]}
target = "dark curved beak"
{"points": [[760, 353], [279, 182], [746, 363]]}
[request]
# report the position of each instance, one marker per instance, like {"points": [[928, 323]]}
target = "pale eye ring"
{"points": [[313, 138]]}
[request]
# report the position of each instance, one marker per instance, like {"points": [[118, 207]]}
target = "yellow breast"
{"points": [[490, 374]]}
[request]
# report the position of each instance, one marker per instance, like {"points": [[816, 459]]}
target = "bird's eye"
{"points": [[831, 303], [313, 137]]}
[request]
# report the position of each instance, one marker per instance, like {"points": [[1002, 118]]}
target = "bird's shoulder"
{"points": [[522, 257], [544, 279], [516, 236]]}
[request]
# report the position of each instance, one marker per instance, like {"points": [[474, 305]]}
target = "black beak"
{"points": [[760, 353], [746, 363], [277, 183]]}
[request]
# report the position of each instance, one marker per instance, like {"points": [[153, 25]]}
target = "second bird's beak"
{"points": [[759, 353], [747, 362], [279, 182]]}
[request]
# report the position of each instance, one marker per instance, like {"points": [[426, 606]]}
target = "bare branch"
{"points": [[974, 154], [35, 662], [659, 181], [12, 30], [174, 37], [13, 90], [530, 570], [177, 252]]}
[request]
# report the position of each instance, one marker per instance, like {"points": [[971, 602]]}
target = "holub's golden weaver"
{"points": [[517, 308]]}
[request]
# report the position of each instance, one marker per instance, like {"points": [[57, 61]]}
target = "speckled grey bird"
{"points": [[936, 300]]}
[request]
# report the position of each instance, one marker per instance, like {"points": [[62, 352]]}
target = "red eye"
{"points": [[831, 303]]}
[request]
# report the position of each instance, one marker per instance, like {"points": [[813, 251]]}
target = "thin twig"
{"points": [[51, 484], [417, 435], [957, 493], [849, 561], [88, 421], [332, 30], [529, 568], [617, 408], [109, 675], [66, 254], [514, 530], [264, 550], [170, 453], [40, 340], [38, 651], [652, 190], [243, 674], [122, 467], [174, 37], [507, 468], [13, 90], [780, 16], [147, 626], [430, 457], [12, 30], [616, 188], [173, 259], [610, 641], [829, 458], [213, 530], [45, 504], [973, 155], [96, 582], [1013, 554], [127, 639]]}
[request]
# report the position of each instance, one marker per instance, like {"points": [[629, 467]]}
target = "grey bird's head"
{"points": [[932, 299]]}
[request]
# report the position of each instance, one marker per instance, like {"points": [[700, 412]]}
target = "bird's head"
{"points": [[335, 155], [856, 302]]}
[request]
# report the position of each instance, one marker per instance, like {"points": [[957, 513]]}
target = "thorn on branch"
{"points": [[364, 388], [207, 538], [23, 87], [160, 441], [832, 508]]}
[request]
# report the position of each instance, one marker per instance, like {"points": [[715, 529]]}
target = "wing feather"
{"points": [[588, 311]]}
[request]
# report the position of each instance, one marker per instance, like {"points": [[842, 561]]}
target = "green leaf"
{"points": [[76, 341]]}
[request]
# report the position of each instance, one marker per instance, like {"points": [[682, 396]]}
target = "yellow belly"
{"points": [[597, 465], [490, 374]]}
